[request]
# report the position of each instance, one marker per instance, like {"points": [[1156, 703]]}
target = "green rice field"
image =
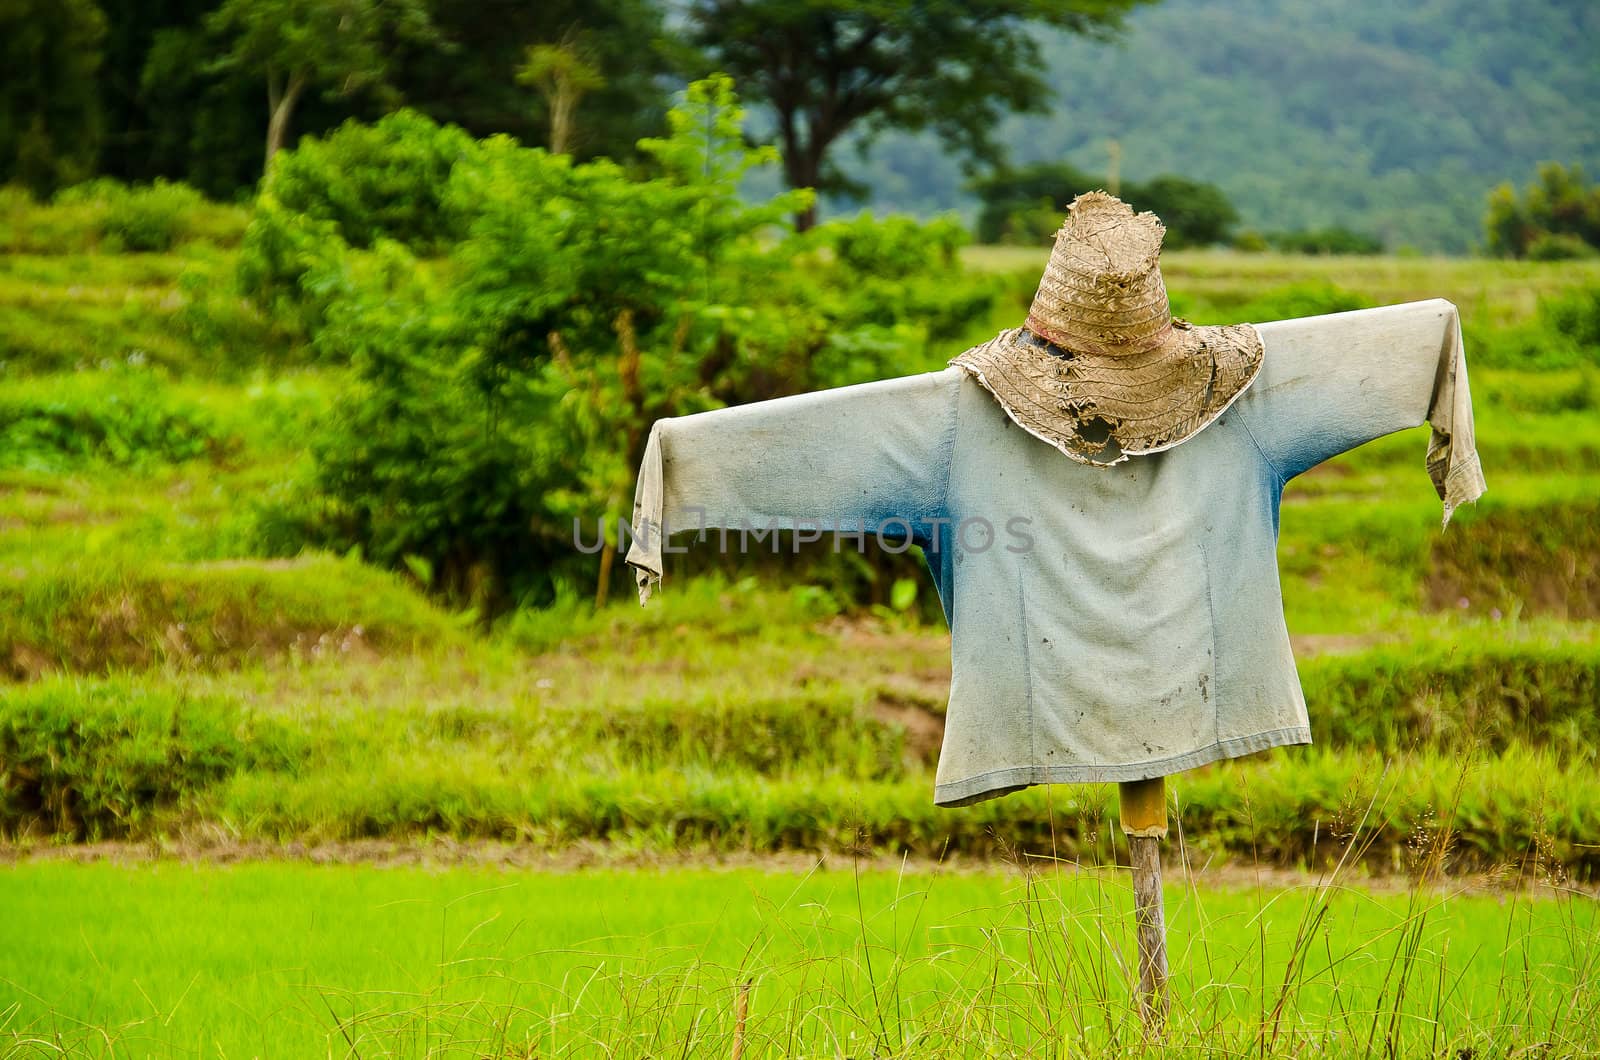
{"points": [[262, 959]]}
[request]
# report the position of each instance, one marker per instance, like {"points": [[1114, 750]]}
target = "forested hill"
{"points": [[1394, 119]]}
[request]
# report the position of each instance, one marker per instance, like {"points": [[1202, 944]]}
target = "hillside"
{"points": [[1394, 120]]}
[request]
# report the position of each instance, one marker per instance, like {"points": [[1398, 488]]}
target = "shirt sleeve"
{"points": [[1331, 383], [855, 457]]}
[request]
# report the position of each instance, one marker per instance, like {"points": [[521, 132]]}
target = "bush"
{"points": [[153, 217], [881, 287], [1026, 205], [1559, 247], [1575, 316], [105, 214], [1558, 216], [124, 418], [357, 187], [1196, 214], [894, 248], [387, 180], [112, 612], [1331, 240]]}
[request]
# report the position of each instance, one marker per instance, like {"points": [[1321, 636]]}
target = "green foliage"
{"points": [[94, 762], [1302, 300], [109, 612], [124, 418], [106, 215], [1575, 316], [381, 181], [1026, 205], [50, 117], [1564, 333], [179, 313], [1392, 120], [1196, 214], [583, 304], [1557, 219], [155, 217], [1331, 240], [838, 65], [298, 44], [624, 42], [1560, 247], [352, 189]]}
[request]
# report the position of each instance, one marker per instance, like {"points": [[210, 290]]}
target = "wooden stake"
{"points": [[1144, 819], [740, 1013]]}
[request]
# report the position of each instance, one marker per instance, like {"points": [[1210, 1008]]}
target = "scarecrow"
{"points": [[1097, 496]]}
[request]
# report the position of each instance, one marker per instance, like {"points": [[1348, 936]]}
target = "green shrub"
{"points": [[1575, 316], [1332, 240], [386, 180], [1559, 247], [29, 227], [1196, 214], [1026, 205], [105, 214], [896, 247], [890, 284], [1251, 242], [355, 188], [122, 417], [139, 218], [1558, 216], [153, 218]]}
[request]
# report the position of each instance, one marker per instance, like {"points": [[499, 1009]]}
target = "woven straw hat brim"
{"points": [[1100, 409]]}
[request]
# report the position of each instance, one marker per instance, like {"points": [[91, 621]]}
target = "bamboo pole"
{"points": [[1144, 820]]}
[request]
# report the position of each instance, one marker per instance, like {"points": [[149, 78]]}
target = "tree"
{"points": [[830, 67], [1558, 216], [620, 39], [563, 74], [50, 118], [300, 43], [1026, 204], [1196, 214]]}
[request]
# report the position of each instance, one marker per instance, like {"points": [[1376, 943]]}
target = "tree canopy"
{"points": [[297, 44], [1558, 216], [831, 67]]}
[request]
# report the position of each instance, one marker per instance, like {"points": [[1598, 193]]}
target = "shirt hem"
{"points": [[1000, 782]]}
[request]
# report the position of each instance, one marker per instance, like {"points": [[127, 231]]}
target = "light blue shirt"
{"points": [[1107, 624]]}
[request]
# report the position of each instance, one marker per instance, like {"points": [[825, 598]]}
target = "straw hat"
{"points": [[1102, 371]]}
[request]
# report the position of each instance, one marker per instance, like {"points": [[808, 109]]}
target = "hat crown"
{"points": [[1102, 290]]}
